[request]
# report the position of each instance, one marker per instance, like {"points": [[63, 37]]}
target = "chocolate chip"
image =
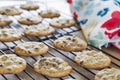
{"points": [[29, 20], [106, 78], [1, 65], [81, 62], [49, 13], [8, 10], [47, 63], [27, 28], [43, 60], [94, 56], [20, 62], [73, 40], [62, 24], [62, 46], [2, 13], [21, 49], [4, 31], [44, 29], [67, 21], [40, 13], [57, 21], [54, 65], [36, 49], [29, 52], [59, 62], [56, 42], [80, 45], [53, 59], [64, 41], [5, 34], [68, 38]]}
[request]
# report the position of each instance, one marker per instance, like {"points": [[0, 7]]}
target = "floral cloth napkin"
{"points": [[99, 20]]}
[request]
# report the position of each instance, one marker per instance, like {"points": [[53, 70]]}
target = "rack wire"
{"points": [[78, 72]]}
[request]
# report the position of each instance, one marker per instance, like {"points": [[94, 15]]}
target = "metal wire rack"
{"points": [[78, 72]]}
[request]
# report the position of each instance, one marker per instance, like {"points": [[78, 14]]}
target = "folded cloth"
{"points": [[99, 20]]}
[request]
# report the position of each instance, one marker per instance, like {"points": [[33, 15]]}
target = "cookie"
{"points": [[5, 20], [108, 74], [11, 64], [29, 6], [40, 30], [52, 67], [9, 35], [49, 14], [92, 59], [62, 23], [10, 11], [70, 43], [30, 20], [31, 49]]}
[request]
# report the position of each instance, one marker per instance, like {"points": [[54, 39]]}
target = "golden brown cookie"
{"points": [[39, 30], [92, 59], [9, 35], [49, 14], [70, 43], [30, 6], [31, 49], [5, 20], [10, 11], [52, 67], [62, 22], [30, 20], [108, 74], [11, 64]]}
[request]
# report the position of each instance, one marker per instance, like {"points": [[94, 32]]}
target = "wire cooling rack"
{"points": [[78, 72]]}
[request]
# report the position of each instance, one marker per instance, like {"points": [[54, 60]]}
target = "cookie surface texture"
{"points": [[92, 59], [29, 7], [10, 11], [70, 43], [4, 20], [39, 30], [49, 14], [52, 67], [31, 49], [9, 35], [62, 23], [30, 20], [108, 74], [11, 64]]}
